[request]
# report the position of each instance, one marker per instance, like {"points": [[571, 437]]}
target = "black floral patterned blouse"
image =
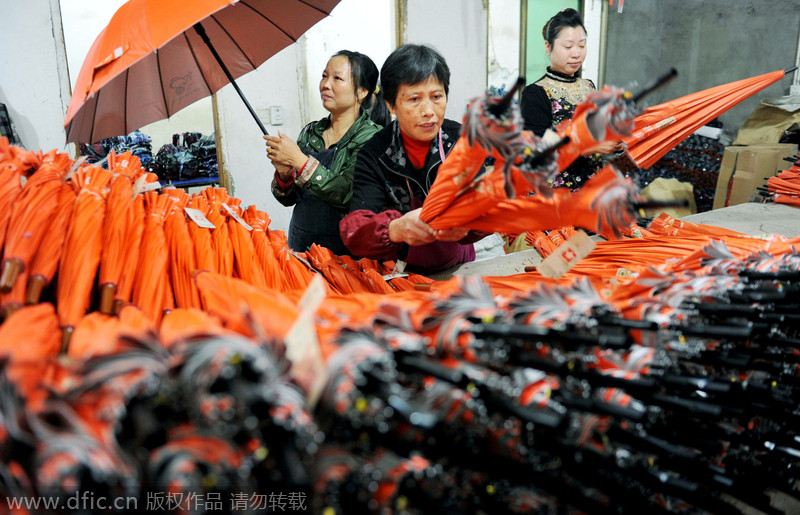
{"points": [[548, 102]]}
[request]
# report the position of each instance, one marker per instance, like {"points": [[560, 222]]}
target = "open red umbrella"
{"points": [[659, 128], [155, 58]]}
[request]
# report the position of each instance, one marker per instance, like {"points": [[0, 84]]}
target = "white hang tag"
{"points": [[236, 217], [199, 218], [302, 344], [399, 267], [389, 277], [567, 255], [140, 186]]}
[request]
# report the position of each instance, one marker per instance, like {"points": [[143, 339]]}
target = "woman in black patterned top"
{"points": [[553, 98]]}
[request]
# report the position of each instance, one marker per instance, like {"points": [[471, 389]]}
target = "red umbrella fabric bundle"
{"points": [[29, 221], [115, 231], [659, 128], [604, 205], [606, 114], [15, 163], [265, 255], [45, 262], [489, 129], [133, 244], [82, 246], [152, 291]]}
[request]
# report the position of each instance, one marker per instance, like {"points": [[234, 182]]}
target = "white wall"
{"points": [[34, 83], [457, 29], [291, 80], [503, 43], [592, 20]]}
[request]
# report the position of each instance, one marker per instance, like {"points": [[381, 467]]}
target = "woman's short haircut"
{"points": [[412, 64]]}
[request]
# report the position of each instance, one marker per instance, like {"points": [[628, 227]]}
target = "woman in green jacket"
{"points": [[315, 173]]}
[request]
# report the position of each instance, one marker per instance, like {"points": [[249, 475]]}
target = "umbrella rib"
{"points": [[313, 7], [161, 83], [94, 117], [191, 49], [125, 107], [234, 41], [243, 2]]}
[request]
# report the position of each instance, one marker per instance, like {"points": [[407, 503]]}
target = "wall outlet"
{"points": [[276, 115], [263, 115]]}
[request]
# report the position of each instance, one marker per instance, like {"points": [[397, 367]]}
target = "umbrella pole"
{"points": [[202, 33]]}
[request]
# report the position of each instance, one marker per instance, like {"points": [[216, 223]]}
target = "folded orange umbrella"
{"points": [[181, 325], [221, 243], [45, 261], [82, 246], [603, 205], [265, 256], [491, 127], [204, 253], [115, 230], [152, 290], [245, 261], [98, 334], [667, 225], [133, 243], [30, 221], [14, 164], [245, 309], [182, 263], [660, 128], [31, 334]]}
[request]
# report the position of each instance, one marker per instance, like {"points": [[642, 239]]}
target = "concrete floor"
{"points": [[750, 218]]}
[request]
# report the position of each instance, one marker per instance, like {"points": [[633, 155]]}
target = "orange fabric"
{"points": [[83, 244], [45, 262], [243, 36], [37, 327], [661, 127], [152, 290], [115, 230], [182, 324]]}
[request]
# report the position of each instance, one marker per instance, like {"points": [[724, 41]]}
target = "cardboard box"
{"points": [[745, 168]]}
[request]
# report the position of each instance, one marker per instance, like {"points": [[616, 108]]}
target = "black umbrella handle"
{"points": [[505, 102], [659, 82], [201, 31]]}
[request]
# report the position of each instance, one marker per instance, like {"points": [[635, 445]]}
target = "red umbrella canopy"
{"points": [[150, 61]]}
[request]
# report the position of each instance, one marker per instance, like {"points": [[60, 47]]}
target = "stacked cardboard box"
{"points": [[745, 168]]}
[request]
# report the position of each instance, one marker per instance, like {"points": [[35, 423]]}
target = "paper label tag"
{"points": [[389, 277], [140, 186], [567, 255], [399, 267], [236, 217], [199, 218], [302, 344]]}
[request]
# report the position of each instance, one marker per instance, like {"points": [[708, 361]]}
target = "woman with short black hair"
{"points": [[396, 168]]}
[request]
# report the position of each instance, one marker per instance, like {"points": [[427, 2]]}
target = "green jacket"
{"points": [[334, 185]]}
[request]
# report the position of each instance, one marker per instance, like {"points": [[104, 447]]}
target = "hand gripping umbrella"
{"points": [[155, 58]]}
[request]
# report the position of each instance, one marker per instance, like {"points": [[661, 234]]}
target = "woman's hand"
{"points": [[284, 152], [410, 229], [452, 234]]}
